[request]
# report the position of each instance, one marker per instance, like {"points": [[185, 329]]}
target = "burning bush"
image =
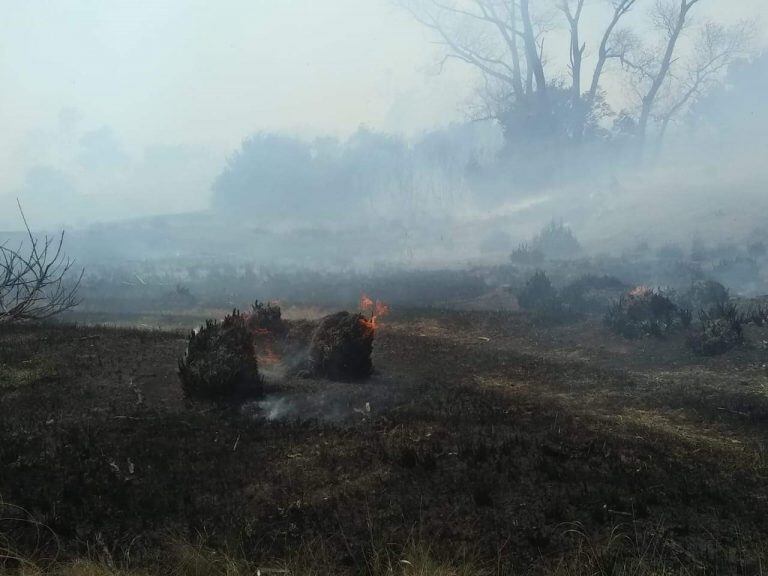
{"points": [[645, 312], [266, 318], [266, 323], [220, 362], [341, 347], [721, 330]]}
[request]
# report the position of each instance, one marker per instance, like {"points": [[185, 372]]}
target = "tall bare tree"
{"points": [[668, 82], [505, 41]]}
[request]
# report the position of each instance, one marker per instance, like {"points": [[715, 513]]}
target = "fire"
{"points": [[265, 347], [374, 310], [268, 356], [640, 292]]}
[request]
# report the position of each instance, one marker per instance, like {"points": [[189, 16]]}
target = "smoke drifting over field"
{"points": [[303, 136]]}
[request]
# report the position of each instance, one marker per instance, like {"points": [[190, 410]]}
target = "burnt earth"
{"points": [[490, 434]]}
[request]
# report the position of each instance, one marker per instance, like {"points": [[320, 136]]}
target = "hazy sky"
{"points": [[146, 98]]}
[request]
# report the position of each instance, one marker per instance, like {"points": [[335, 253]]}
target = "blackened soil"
{"points": [[476, 430]]}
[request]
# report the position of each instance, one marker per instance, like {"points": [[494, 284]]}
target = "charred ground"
{"points": [[483, 431]]}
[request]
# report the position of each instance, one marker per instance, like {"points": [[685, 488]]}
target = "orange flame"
{"points": [[640, 291], [375, 309], [268, 357], [265, 347]]}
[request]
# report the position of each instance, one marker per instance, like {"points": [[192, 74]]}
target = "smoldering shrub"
{"points": [[266, 318], [341, 348], [720, 330], [220, 363], [645, 312]]}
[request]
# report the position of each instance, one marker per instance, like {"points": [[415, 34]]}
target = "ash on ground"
{"points": [[336, 402]]}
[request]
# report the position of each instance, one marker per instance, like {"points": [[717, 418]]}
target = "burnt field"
{"points": [[524, 445]]}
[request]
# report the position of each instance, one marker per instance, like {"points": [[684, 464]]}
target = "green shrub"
{"points": [[220, 363]]}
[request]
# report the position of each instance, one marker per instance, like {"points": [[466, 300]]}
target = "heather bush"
{"points": [[341, 347], [720, 330], [220, 363], [540, 297], [645, 312]]}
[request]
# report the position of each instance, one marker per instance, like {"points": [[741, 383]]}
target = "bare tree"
{"points": [[38, 281], [614, 44], [505, 41], [667, 82], [716, 48]]}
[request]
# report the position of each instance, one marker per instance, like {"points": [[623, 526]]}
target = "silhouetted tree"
{"points": [[35, 281]]}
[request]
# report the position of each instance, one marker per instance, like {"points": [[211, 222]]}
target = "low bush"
{"points": [[645, 312], [526, 255], [540, 297], [720, 330], [220, 363], [757, 315], [556, 241], [705, 295], [265, 318]]}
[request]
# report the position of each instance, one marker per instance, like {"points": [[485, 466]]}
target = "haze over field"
{"points": [[314, 114], [383, 287]]}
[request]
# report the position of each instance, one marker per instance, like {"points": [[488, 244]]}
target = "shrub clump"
{"points": [[220, 363], [539, 296], [645, 312], [757, 315], [526, 255], [557, 241], [265, 318], [341, 347], [706, 295], [720, 330]]}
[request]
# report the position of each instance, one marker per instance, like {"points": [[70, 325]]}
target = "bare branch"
{"points": [[39, 283]]}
